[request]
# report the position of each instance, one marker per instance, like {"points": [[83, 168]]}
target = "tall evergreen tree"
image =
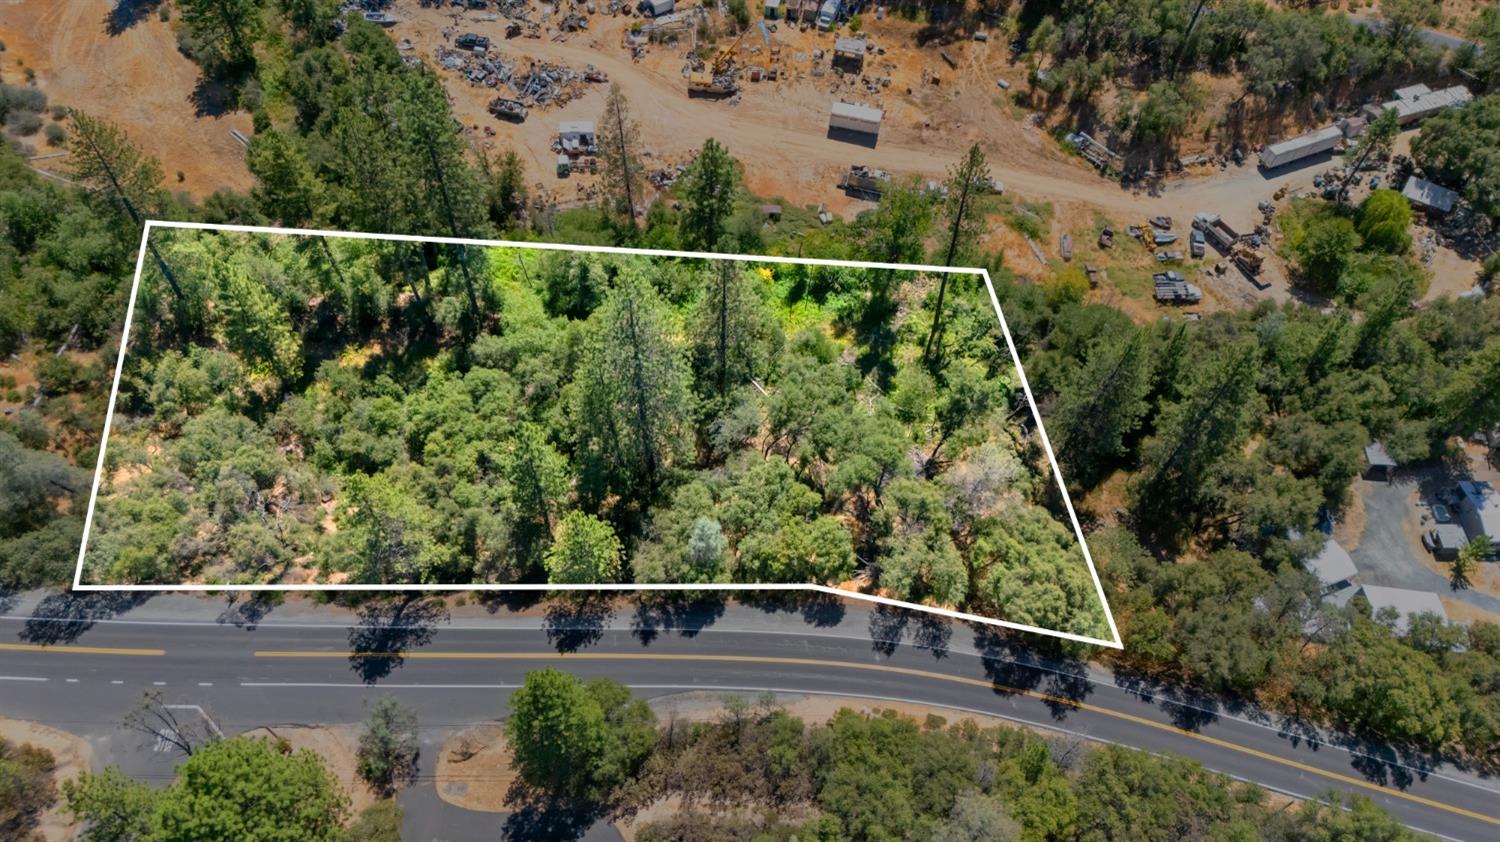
{"points": [[1194, 435], [707, 190], [733, 334], [966, 182], [620, 148], [1101, 404], [634, 402], [227, 29], [104, 158]]}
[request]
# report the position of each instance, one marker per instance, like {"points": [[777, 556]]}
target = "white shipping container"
{"points": [[1300, 147], [855, 118]]}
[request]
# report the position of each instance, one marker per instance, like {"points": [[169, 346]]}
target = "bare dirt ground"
{"points": [[73, 756], [136, 78], [337, 745], [779, 129], [474, 769]]}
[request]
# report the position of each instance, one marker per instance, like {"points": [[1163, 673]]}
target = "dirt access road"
{"points": [[136, 78]]}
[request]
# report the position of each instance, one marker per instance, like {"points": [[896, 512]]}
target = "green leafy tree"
{"points": [[707, 190], [1324, 250], [1470, 402], [1384, 221], [1455, 148], [388, 747], [116, 807], [243, 788], [586, 551], [577, 740]]}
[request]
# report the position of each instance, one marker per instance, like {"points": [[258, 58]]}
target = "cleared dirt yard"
{"points": [[136, 78]]}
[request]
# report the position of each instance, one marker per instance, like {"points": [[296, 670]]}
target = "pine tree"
{"points": [[104, 158], [1195, 435], [707, 190], [733, 334], [227, 28], [966, 181], [1100, 405], [634, 403], [619, 147]]}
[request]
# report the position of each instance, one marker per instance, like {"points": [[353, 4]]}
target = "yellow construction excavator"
{"points": [[715, 79]]}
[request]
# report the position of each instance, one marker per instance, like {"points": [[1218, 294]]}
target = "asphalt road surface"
{"points": [[78, 663]]}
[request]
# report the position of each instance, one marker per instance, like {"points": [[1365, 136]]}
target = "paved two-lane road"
{"points": [[79, 665]]}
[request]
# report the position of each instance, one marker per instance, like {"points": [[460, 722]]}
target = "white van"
{"points": [[828, 15]]}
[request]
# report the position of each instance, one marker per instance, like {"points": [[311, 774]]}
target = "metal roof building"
{"points": [[1333, 567], [1429, 196], [1417, 102], [1406, 603]]}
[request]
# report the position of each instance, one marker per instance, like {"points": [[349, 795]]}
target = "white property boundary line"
{"points": [[78, 584]]}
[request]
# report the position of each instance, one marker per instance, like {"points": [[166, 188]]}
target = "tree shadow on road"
{"points": [[576, 619], [386, 630], [1048, 670], [888, 626], [683, 612], [247, 613], [546, 821], [1186, 709], [817, 609], [64, 617]]}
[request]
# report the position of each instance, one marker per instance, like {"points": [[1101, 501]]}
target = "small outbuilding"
{"points": [[577, 138], [861, 121], [772, 10], [1444, 541], [1378, 463], [656, 8], [771, 212], [1428, 197], [849, 54]]}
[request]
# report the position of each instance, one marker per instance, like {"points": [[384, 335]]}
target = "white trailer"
{"points": [[1302, 146], [861, 119]]}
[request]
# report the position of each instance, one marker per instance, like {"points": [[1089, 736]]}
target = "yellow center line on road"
{"points": [[906, 671], [80, 650]]}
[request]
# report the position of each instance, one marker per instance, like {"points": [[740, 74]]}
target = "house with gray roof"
{"points": [[1405, 603]]}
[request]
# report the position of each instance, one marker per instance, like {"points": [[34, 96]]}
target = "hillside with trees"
{"points": [[386, 412]]}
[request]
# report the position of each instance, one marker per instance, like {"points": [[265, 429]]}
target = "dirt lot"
{"points": [[779, 129], [136, 78], [474, 769], [73, 756]]}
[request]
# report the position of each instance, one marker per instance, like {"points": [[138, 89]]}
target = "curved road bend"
{"points": [[78, 663]]}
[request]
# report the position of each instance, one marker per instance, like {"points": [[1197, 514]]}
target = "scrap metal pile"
{"points": [[538, 84]]}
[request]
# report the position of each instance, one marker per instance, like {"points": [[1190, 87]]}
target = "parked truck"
{"points": [[865, 183], [1217, 231]]}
